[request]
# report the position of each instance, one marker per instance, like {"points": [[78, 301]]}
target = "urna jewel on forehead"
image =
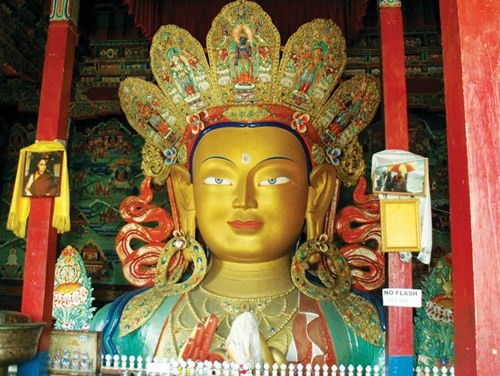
{"points": [[244, 81]]}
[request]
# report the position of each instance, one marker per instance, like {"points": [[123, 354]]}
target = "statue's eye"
{"points": [[216, 181], [275, 181]]}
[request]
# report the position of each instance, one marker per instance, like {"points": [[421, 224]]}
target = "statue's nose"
{"points": [[245, 196]]}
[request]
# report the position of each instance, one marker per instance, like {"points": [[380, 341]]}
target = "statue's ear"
{"points": [[321, 190], [184, 197]]}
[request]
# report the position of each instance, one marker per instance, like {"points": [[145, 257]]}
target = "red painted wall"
{"points": [[471, 52]]}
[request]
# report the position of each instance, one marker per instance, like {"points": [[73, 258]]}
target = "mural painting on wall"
{"points": [[427, 136], [12, 260], [104, 167], [104, 162], [12, 248], [96, 262]]}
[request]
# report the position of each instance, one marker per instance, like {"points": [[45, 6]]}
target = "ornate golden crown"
{"points": [[246, 82]]}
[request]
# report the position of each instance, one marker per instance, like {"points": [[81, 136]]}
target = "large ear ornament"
{"points": [[333, 278]]}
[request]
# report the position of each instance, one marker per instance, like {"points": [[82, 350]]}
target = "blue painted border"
{"points": [[401, 365]]}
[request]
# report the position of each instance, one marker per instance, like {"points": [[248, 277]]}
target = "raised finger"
{"points": [[187, 352], [210, 327]]}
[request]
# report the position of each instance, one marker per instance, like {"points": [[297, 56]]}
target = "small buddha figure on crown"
{"points": [[245, 267], [242, 58]]}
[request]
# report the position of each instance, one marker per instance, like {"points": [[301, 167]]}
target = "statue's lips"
{"points": [[245, 224]]}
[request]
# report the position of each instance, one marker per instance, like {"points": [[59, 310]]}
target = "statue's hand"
{"points": [[198, 344]]}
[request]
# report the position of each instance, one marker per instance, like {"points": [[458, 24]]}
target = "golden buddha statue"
{"points": [[248, 168]]}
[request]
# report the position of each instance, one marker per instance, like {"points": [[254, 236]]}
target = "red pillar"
{"points": [[41, 240], [471, 48], [399, 344]]}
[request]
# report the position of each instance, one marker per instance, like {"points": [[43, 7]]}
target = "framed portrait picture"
{"points": [[42, 174], [400, 222], [74, 352], [409, 178]]}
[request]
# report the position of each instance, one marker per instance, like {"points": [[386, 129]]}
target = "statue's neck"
{"points": [[253, 280]]}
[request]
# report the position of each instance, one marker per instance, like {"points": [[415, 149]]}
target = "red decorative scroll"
{"points": [[359, 226], [139, 265]]}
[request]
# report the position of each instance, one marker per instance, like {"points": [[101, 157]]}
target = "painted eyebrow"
{"points": [[217, 157], [276, 157]]}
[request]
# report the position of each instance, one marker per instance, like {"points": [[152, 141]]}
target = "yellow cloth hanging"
{"points": [[20, 206]]}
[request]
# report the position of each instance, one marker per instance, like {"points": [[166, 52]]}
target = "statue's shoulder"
{"points": [[362, 313], [358, 319], [135, 316]]}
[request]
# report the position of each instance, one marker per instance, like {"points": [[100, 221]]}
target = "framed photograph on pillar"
{"points": [[400, 221], [42, 174], [409, 178]]}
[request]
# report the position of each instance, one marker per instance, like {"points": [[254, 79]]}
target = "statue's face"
{"points": [[250, 191]]}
